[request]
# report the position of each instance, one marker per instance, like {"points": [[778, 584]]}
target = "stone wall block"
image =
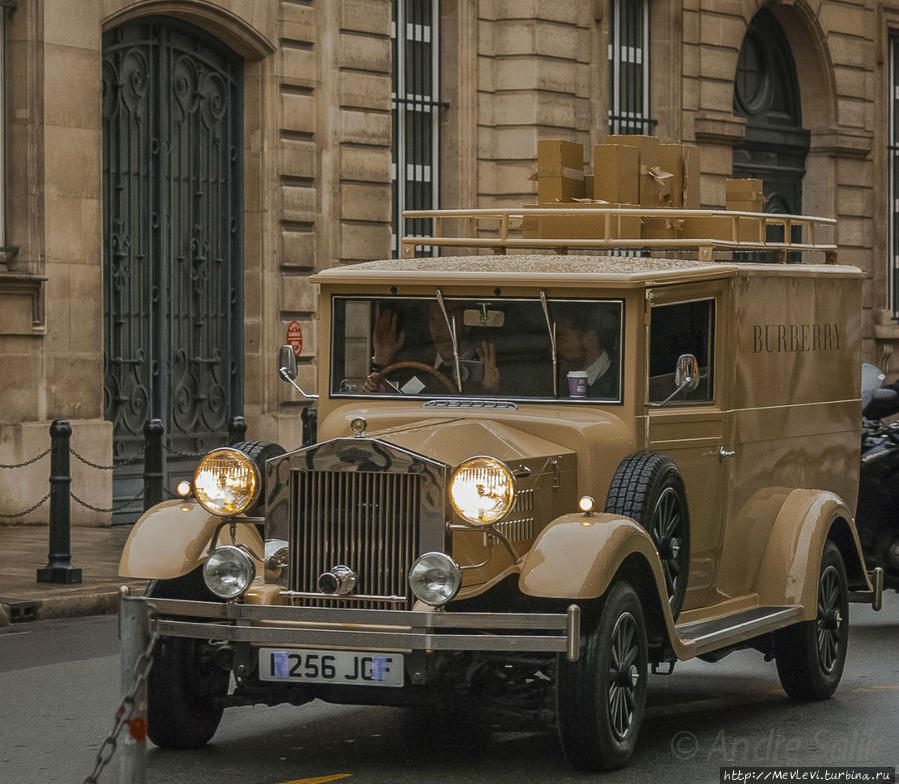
{"points": [[717, 62], [63, 66], [297, 294], [298, 22], [364, 202], [855, 232], [365, 164], [855, 172], [82, 393], [299, 64], [67, 24], [365, 16], [297, 159], [72, 157], [716, 95], [849, 50], [297, 250], [555, 109], [515, 37], [365, 127], [852, 112], [298, 112], [365, 53], [365, 90], [364, 241], [515, 108], [298, 203], [556, 40]]}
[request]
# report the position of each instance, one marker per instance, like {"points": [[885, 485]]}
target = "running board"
{"points": [[705, 636]]}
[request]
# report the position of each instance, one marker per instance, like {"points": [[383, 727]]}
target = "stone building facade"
{"points": [[304, 176]]}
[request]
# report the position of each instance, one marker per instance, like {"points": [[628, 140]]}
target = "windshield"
{"points": [[475, 348]]}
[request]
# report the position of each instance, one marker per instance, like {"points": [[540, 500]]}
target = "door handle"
{"points": [[723, 453]]}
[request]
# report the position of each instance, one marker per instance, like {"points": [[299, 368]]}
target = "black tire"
{"points": [[601, 698], [811, 655], [259, 452], [649, 489], [185, 688]]}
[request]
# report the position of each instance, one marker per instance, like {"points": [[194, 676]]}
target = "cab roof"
{"points": [[543, 270]]}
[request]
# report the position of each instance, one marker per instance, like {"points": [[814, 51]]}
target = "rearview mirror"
{"points": [[686, 373], [287, 361], [482, 317]]}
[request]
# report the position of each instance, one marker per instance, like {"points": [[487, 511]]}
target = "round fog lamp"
{"points": [[228, 571], [183, 489], [435, 578], [482, 490], [226, 482], [586, 503]]}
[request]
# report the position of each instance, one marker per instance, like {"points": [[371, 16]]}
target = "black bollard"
{"points": [[309, 417], [154, 431], [237, 430], [59, 567]]}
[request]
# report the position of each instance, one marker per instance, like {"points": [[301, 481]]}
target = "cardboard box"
{"points": [[581, 227], [616, 170], [720, 227], [744, 195], [654, 228], [589, 187], [560, 171], [682, 161], [654, 184]]}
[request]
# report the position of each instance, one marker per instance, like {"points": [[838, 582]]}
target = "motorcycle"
{"points": [[877, 515]]}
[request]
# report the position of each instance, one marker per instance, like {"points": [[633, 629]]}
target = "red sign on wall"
{"points": [[295, 337]]}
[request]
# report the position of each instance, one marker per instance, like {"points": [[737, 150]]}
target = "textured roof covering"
{"points": [[624, 270]]}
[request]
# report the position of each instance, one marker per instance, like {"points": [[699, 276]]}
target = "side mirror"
{"points": [[686, 373], [287, 362]]}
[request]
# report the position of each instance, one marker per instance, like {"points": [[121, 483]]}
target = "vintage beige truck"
{"points": [[536, 478]]}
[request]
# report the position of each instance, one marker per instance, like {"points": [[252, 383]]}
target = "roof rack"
{"points": [[608, 227]]}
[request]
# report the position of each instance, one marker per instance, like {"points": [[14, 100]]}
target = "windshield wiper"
{"points": [[451, 326], [551, 328]]}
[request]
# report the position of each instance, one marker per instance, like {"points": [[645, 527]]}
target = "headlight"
{"points": [[482, 490], [435, 578], [226, 482], [228, 571]]}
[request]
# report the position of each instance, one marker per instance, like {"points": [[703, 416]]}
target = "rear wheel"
{"points": [[648, 488], [811, 655], [185, 688], [601, 698]]}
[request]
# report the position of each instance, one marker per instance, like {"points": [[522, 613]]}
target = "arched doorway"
{"points": [[766, 93], [172, 243]]}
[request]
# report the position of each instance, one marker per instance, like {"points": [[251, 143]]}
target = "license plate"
{"points": [[350, 668]]}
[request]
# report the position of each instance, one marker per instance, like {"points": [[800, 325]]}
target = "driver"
{"points": [[583, 344], [388, 340]]}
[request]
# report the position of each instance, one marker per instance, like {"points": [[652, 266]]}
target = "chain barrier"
{"points": [[29, 510], [41, 456], [191, 455], [113, 508], [125, 712], [115, 464]]}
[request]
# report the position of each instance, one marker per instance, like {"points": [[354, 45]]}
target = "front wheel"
{"points": [[185, 687], [811, 655], [601, 698]]}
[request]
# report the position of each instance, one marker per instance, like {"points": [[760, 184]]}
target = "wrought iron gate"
{"points": [[172, 243]]}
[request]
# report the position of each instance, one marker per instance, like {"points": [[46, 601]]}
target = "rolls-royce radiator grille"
{"points": [[365, 520]]}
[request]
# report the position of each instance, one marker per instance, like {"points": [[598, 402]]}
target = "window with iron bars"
{"points": [[415, 34], [893, 178], [629, 67]]}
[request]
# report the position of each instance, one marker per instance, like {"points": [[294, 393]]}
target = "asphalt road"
{"points": [[59, 690]]}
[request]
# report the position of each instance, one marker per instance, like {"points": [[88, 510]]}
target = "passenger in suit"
{"points": [[585, 341]]}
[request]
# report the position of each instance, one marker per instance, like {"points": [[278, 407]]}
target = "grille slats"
{"points": [[368, 521]]}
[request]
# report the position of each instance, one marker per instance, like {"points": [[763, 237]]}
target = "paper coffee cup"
{"points": [[577, 383]]}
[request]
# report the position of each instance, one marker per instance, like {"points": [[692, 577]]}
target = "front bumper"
{"points": [[367, 629]]}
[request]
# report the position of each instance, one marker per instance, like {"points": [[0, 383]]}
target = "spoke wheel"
{"points": [[601, 698], [649, 489], [811, 655]]}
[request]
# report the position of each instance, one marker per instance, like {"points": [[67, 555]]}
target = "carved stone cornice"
{"points": [[17, 284], [719, 129], [842, 142]]}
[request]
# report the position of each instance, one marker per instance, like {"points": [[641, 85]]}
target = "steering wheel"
{"points": [[379, 375]]}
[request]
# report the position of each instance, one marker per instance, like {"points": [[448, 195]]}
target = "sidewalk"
{"points": [[96, 551]]}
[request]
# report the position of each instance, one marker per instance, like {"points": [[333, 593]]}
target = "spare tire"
{"points": [[648, 488], [259, 452]]}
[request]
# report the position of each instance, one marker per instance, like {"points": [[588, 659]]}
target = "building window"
{"points": [[415, 34], [629, 67], [893, 168], [5, 6]]}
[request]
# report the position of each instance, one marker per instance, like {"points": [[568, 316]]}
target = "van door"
{"points": [[687, 425]]}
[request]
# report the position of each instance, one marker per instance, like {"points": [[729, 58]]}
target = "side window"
{"points": [[686, 328]]}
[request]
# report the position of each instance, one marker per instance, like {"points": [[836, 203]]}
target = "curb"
{"points": [[104, 602]]}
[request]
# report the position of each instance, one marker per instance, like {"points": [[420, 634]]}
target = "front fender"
{"points": [[174, 537], [789, 570], [576, 556]]}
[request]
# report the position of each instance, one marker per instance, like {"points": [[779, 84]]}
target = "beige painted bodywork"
{"points": [[174, 538], [770, 464]]}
